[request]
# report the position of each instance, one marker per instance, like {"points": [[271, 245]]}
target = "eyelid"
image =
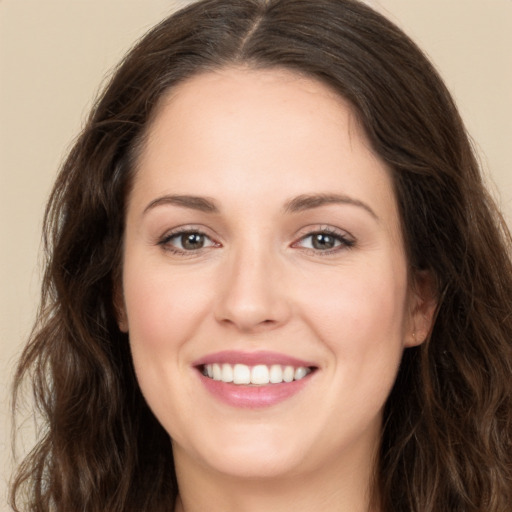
{"points": [[347, 241], [164, 240]]}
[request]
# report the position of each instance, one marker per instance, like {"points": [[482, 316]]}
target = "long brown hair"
{"points": [[447, 435]]}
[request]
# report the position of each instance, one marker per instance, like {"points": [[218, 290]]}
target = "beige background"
{"points": [[55, 53]]}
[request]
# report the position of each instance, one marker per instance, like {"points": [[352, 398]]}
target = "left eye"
{"points": [[322, 241], [188, 241]]}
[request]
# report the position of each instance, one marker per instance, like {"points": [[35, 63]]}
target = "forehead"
{"points": [[245, 132], [270, 105], [267, 95]]}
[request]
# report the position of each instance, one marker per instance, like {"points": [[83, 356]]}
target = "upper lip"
{"points": [[251, 359]]}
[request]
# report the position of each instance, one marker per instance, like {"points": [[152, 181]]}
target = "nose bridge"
{"points": [[252, 293]]}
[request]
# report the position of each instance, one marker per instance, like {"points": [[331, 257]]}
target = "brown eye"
{"points": [[192, 241], [323, 241], [187, 241]]}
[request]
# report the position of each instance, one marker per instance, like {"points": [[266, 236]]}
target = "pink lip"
{"points": [[253, 397], [250, 396], [251, 359]]}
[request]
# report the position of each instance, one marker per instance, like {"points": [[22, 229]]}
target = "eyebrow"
{"points": [[309, 201], [295, 205], [202, 204]]}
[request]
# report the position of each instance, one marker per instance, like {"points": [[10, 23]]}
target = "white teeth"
{"points": [[288, 374], [258, 375], [241, 374], [300, 373], [217, 372], [227, 373], [276, 374]]}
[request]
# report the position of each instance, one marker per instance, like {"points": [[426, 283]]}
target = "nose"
{"points": [[252, 296]]}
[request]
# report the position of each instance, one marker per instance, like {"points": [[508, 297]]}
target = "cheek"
{"points": [[162, 308], [357, 305], [163, 311], [360, 317]]}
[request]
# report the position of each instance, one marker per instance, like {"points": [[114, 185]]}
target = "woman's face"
{"points": [[263, 245]]}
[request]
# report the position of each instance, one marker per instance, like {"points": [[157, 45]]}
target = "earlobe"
{"points": [[122, 322], [423, 308], [120, 309]]}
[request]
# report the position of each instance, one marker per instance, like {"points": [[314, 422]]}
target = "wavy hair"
{"points": [[447, 433]]}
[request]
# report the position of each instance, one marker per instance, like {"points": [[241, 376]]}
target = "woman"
{"points": [[275, 280]]}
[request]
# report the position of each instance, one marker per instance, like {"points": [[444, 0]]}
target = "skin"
{"points": [[250, 142]]}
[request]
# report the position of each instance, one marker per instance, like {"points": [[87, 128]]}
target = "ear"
{"points": [[120, 308], [423, 302]]}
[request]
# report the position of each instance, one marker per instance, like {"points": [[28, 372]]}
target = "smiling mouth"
{"points": [[257, 375]]}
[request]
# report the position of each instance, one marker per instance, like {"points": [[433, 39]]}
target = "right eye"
{"points": [[186, 241]]}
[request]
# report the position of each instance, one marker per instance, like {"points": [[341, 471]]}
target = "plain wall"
{"points": [[54, 54]]}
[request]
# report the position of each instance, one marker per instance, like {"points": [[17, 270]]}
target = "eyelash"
{"points": [[343, 241], [166, 240]]}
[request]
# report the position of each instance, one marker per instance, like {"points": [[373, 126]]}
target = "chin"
{"points": [[253, 456], [259, 465]]}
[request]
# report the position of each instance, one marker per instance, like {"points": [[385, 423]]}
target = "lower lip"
{"points": [[253, 397]]}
